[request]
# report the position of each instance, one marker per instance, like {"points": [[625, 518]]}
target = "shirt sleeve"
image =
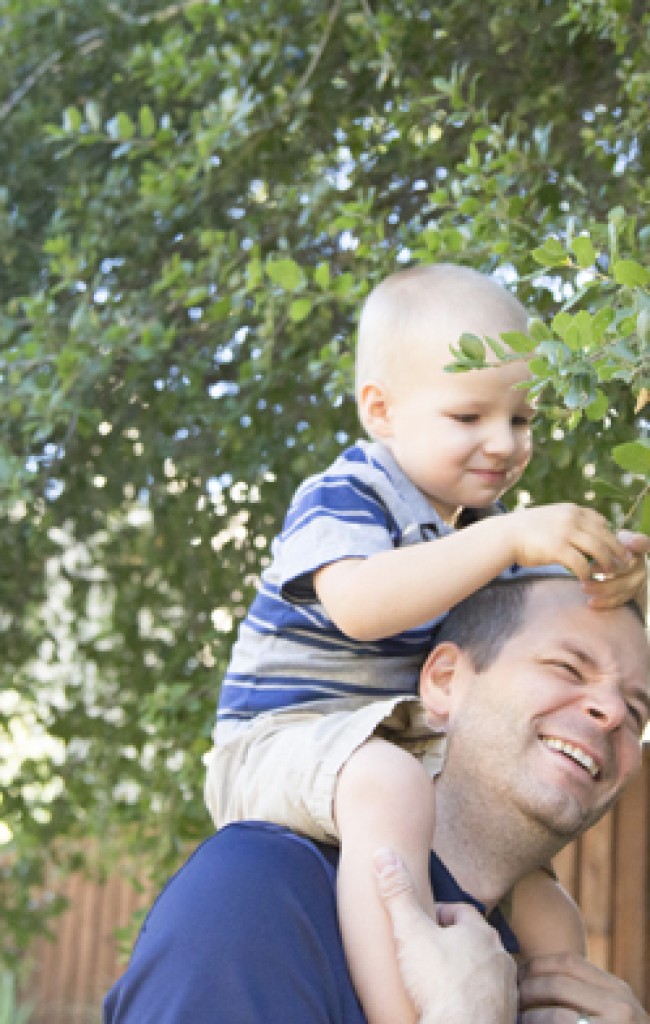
{"points": [[247, 932], [332, 517]]}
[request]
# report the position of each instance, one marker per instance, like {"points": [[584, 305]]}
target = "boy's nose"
{"points": [[500, 440]]}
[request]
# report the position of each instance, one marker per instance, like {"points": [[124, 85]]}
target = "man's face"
{"points": [[554, 725]]}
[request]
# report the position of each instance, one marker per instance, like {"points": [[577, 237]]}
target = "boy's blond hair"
{"points": [[430, 305]]}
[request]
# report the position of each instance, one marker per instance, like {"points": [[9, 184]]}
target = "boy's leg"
{"points": [[545, 918], [383, 797]]}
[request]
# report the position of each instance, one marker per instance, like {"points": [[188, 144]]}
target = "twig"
{"points": [[149, 19], [86, 42], [320, 49], [629, 515]]}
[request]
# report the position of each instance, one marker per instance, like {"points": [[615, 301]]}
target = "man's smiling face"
{"points": [[554, 725]]}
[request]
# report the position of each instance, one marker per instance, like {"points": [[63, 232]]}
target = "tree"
{"points": [[196, 200]]}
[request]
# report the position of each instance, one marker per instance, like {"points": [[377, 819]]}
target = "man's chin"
{"points": [[565, 818]]}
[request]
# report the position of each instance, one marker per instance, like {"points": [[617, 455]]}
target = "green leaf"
{"points": [[518, 341], [643, 523], [286, 273], [538, 330], [146, 121], [583, 249], [93, 115], [300, 309], [121, 127], [343, 284], [472, 347], [71, 119], [630, 273], [634, 456], [599, 408], [608, 489], [322, 276], [551, 254]]}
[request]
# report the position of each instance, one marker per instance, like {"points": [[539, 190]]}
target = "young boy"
{"points": [[318, 720]]}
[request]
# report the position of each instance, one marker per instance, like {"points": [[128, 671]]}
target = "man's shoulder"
{"points": [[244, 845], [246, 930]]}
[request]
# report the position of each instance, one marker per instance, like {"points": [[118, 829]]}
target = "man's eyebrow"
{"points": [[579, 652], [582, 655]]}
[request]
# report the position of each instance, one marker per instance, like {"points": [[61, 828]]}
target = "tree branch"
{"points": [[320, 49], [149, 19], [85, 43]]}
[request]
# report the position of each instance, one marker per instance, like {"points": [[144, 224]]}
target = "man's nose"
{"points": [[607, 707]]}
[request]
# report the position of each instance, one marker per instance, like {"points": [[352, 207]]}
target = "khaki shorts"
{"points": [[282, 767]]}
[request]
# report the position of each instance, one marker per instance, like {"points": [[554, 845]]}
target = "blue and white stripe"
{"points": [[288, 651]]}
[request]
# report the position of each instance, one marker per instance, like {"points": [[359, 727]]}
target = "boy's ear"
{"points": [[437, 678], [374, 409]]}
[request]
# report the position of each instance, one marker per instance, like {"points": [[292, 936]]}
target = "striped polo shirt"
{"points": [[288, 651]]}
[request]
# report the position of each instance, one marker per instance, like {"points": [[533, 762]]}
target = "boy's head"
{"points": [[462, 438]]}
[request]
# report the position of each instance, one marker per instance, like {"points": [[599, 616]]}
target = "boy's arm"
{"points": [[454, 968], [545, 918], [404, 588]]}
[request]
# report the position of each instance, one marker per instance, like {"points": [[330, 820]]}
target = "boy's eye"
{"points": [[465, 417], [522, 421]]}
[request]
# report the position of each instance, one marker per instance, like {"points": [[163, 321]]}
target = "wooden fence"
{"points": [[607, 870]]}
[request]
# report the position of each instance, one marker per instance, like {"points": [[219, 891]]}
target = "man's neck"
{"points": [[487, 852]]}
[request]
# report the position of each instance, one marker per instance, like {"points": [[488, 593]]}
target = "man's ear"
{"points": [[437, 679], [374, 409]]}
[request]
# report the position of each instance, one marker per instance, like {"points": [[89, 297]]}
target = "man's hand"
{"points": [[560, 988], [455, 970]]}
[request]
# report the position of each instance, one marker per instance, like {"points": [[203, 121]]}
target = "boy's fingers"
{"points": [[637, 543], [608, 554]]}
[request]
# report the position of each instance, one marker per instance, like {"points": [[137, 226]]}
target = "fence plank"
{"points": [[596, 890], [630, 946], [72, 974]]}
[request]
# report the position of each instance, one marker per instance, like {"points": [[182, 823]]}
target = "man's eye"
{"points": [[522, 421], [567, 667], [636, 715]]}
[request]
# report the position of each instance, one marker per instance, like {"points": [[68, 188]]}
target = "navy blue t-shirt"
{"points": [[247, 933]]}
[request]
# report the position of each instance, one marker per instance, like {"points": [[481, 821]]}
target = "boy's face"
{"points": [[461, 438]]}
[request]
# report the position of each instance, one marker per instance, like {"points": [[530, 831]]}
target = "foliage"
{"points": [[195, 201], [11, 1011]]}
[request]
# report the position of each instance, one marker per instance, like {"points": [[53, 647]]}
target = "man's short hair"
{"points": [[484, 622]]}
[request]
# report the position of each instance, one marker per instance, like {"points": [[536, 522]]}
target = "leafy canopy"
{"points": [[195, 201]]}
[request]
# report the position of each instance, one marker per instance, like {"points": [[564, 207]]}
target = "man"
{"points": [[546, 701]]}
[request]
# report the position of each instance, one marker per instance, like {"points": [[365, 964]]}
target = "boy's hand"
{"points": [[578, 538], [629, 584]]}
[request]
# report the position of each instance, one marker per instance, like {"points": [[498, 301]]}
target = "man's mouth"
{"points": [[574, 753]]}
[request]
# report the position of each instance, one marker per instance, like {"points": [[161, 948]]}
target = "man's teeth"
{"points": [[575, 753]]}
